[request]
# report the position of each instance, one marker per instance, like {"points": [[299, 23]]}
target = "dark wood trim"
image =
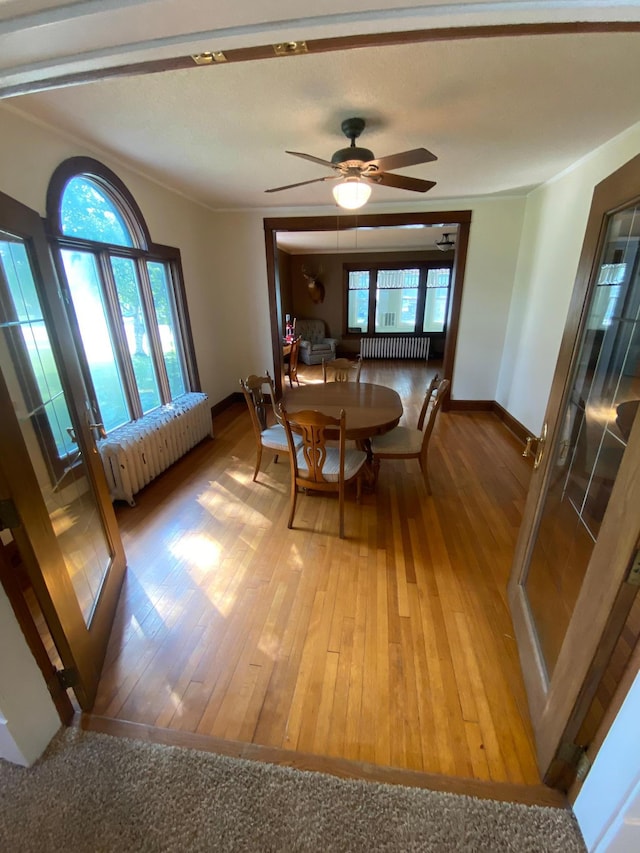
{"points": [[461, 218], [560, 775], [10, 579], [456, 284], [471, 405], [349, 221], [275, 302], [173, 258], [340, 767], [222, 405], [512, 424], [143, 252], [111, 184], [519, 430], [418, 261], [621, 691], [325, 45]]}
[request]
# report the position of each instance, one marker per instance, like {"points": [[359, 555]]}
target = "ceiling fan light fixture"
{"points": [[445, 243], [351, 193]]}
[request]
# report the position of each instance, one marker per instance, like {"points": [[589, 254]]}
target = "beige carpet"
{"points": [[95, 793]]}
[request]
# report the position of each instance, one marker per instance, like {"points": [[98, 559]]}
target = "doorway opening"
{"points": [[341, 226]]}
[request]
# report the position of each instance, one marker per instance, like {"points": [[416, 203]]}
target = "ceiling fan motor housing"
{"points": [[363, 155], [352, 128]]}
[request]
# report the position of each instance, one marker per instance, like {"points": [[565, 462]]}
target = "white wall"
{"points": [[608, 805], [554, 225], [239, 271], [496, 226], [29, 154], [28, 717]]}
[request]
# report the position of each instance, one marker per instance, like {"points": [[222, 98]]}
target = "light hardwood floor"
{"points": [[393, 647]]}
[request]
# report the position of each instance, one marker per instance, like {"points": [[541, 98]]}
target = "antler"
{"points": [[311, 276]]}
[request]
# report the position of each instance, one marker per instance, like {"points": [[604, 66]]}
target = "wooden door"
{"points": [[54, 496], [574, 574]]}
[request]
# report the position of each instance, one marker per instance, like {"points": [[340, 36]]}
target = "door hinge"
{"points": [[633, 577], [575, 757], [9, 517], [67, 678]]}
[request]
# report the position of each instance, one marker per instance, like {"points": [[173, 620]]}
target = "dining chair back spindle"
{"points": [[341, 369], [259, 393], [317, 465], [405, 443]]}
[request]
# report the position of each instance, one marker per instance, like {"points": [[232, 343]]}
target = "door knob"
{"points": [[540, 445]]}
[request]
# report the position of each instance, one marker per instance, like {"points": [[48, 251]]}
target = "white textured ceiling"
{"points": [[501, 114]]}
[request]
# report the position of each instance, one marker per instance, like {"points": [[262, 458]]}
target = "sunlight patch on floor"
{"points": [[244, 477], [136, 627], [223, 505], [199, 551]]}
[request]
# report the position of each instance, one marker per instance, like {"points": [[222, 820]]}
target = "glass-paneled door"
{"points": [[572, 583], [50, 470]]}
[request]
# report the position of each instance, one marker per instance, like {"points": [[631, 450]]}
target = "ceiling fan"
{"points": [[357, 168]]}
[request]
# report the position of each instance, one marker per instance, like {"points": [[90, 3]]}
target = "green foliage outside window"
{"points": [[125, 308]]}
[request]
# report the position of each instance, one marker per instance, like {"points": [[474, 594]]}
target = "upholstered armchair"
{"points": [[314, 344]]}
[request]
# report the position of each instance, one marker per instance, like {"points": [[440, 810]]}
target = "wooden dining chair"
{"points": [[341, 369], [291, 365], [429, 397], [405, 443], [316, 465], [255, 390]]}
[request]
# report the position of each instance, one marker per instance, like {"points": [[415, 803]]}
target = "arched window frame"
{"points": [[141, 254]]}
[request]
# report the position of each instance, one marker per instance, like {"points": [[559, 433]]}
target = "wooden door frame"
{"points": [[461, 218], [43, 561], [10, 580], [556, 713]]}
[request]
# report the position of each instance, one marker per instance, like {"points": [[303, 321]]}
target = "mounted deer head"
{"points": [[314, 285]]}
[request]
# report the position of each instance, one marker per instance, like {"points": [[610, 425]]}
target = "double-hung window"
{"points": [[397, 299], [358, 301], [125, 295]]}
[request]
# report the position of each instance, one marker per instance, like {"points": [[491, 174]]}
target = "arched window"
{"points": [[87, 212], [125, 294]]}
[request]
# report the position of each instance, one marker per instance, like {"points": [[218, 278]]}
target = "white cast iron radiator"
{"points": [[133, 454], [389, 347]]}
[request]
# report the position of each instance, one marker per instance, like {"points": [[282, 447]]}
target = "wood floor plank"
{"points": [[383, 696], [393, 647], [356, 674]]}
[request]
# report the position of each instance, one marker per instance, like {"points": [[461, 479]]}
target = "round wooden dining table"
{"points": [[369, 409]]}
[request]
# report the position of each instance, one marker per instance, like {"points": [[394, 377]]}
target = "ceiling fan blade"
{"points": [[302, 183], [402, 160], [312, 158], [401, 182]]}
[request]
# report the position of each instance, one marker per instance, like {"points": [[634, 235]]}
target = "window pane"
{"points": [[45, 372], [28, 339], [435, 306], [88, 212], [24, 300], [135, 325], [396, 300], [168, 327], [86, 294], [358, 300]]}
